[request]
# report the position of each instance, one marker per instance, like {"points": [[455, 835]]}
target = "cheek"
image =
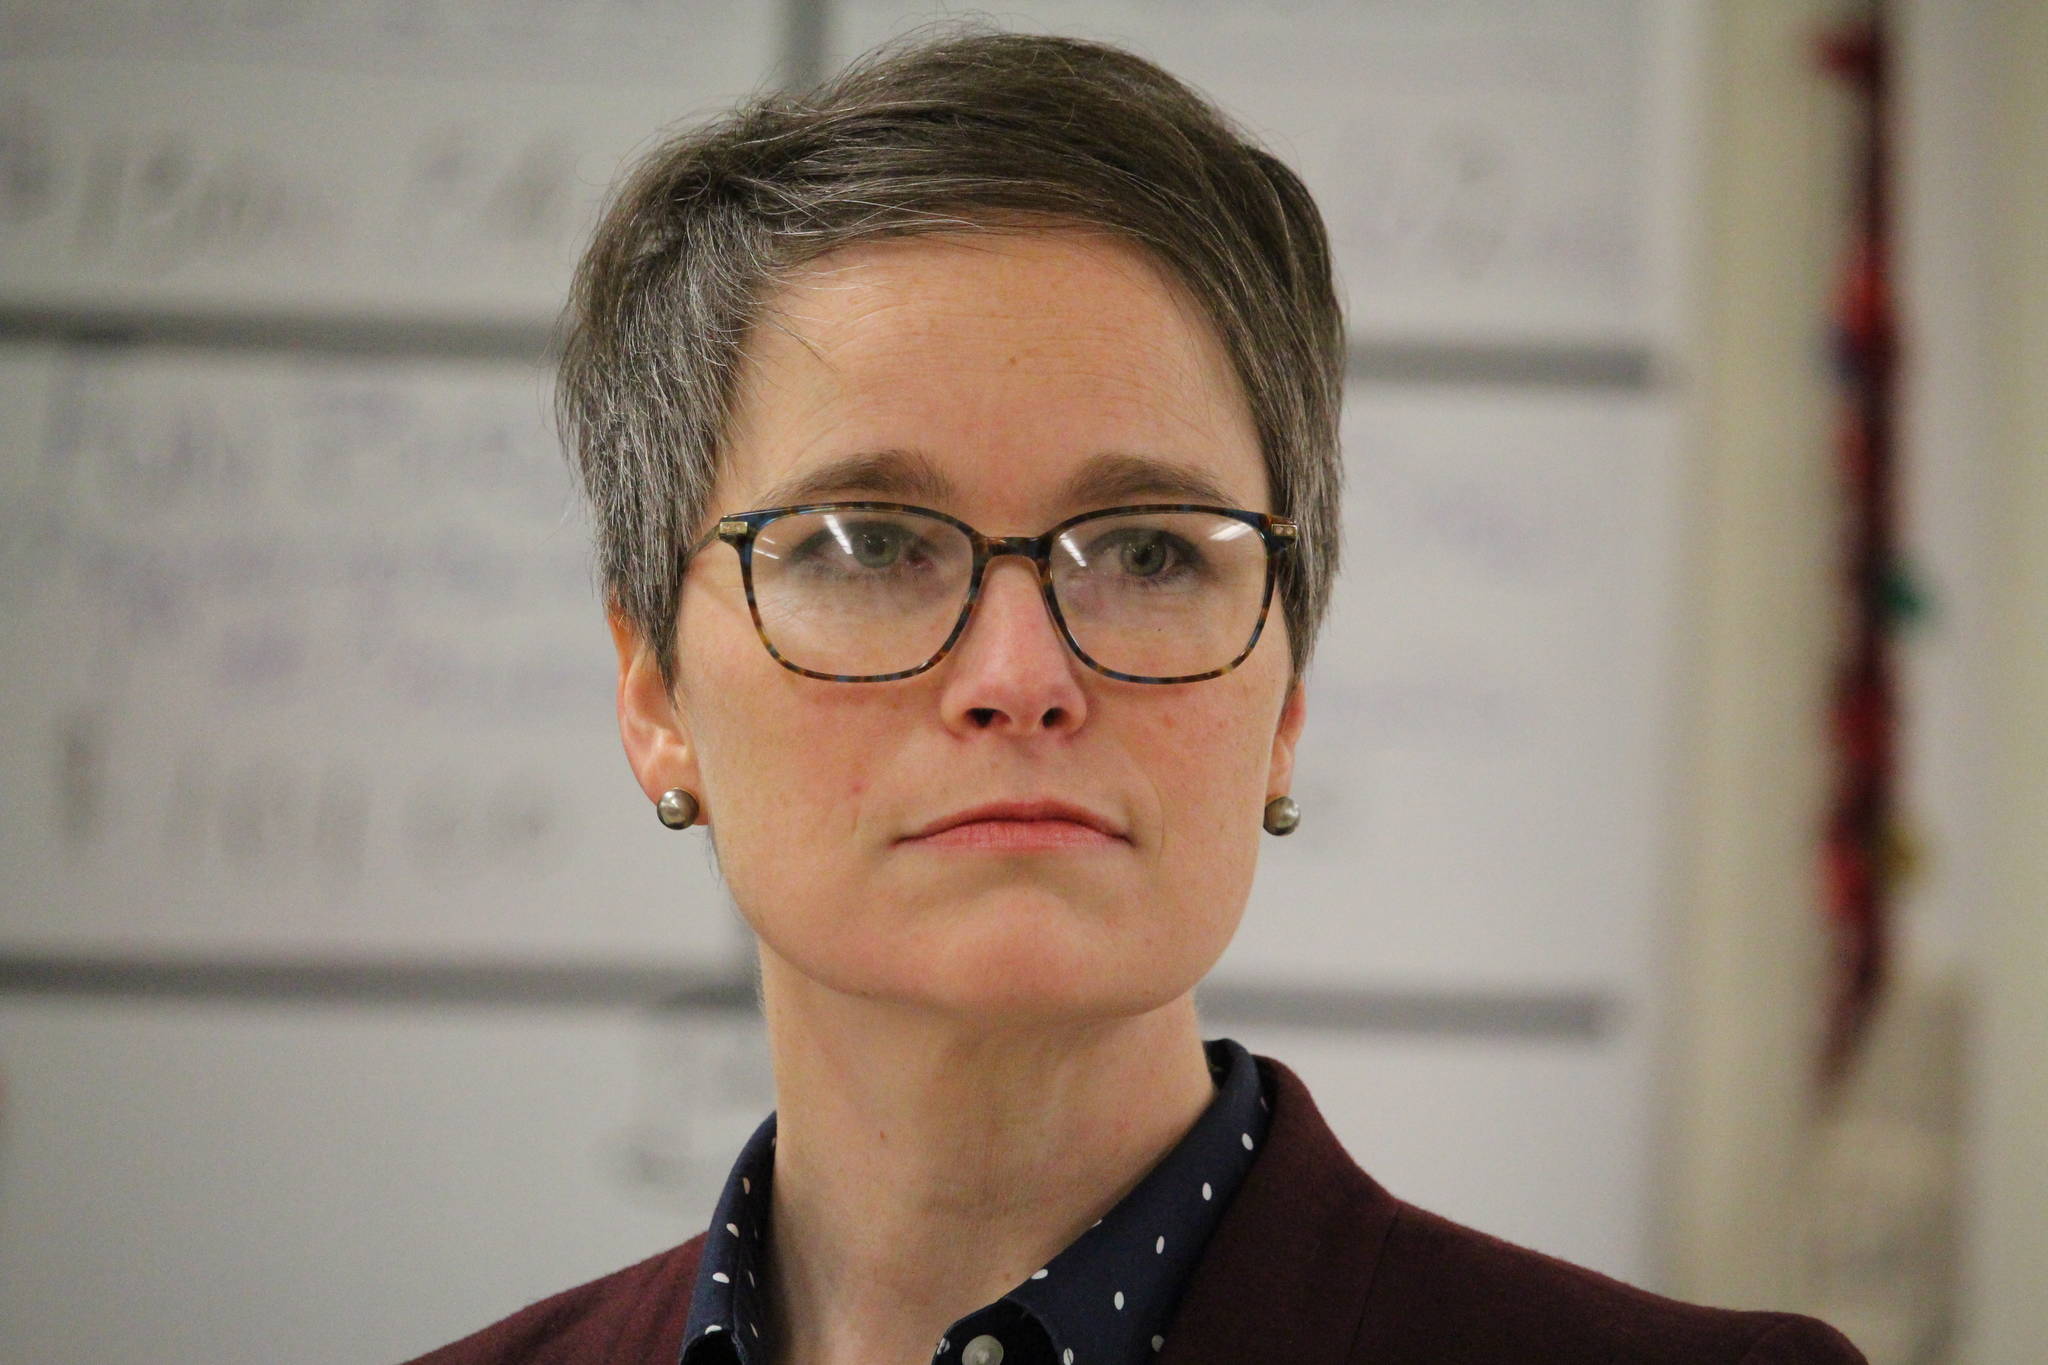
{"points": [[792, 771], [1209, 757], [781, 756], [1207, 767]]}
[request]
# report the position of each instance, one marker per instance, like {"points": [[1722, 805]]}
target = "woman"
{"points": [[962, 443]]}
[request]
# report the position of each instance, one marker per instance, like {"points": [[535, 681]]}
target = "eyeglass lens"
{"points": [[861, 592]]}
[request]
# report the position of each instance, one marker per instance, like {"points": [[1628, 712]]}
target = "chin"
{"points": [[1050, 964], [1011, 959]]}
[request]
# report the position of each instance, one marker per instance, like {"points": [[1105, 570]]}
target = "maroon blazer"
{"points": [[1313, 1264]]}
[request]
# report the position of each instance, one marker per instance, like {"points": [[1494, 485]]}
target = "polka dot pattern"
{"points": [[1105, 1299]]}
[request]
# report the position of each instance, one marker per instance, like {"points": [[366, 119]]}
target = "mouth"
{"points": [[1020, 826]]}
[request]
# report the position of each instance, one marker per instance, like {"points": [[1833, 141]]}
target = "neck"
{"points": [[925, 1165]]}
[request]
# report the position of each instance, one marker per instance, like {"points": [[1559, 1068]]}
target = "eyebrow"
{"points": [[911, 475]]}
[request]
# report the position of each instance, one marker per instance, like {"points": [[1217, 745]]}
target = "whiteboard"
{"points": [[439, 160], [169, 1165], [303, 656], [196, 1184], [1486, 772], [1492, 171]]}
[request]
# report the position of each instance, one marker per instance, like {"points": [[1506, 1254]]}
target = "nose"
{"points": [[1011, 670]]}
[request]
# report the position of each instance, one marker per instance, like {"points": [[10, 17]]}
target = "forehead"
{"points": [[1012, 374]]}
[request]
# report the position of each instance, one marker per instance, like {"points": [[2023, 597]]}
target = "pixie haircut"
{"points": [[965, 130]]}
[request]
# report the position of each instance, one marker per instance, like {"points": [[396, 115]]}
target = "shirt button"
{"points": [[982, 1351]]}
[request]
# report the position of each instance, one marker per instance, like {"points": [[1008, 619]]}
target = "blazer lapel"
{"points": [[1286, 1273]]}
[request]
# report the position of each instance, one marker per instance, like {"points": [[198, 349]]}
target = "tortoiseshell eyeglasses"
{"points": [[876, 591]]}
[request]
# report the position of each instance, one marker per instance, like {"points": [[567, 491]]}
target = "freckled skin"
{"points": [[1009, 360]]}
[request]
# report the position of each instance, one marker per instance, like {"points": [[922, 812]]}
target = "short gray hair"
{"points": [[965, 129]]}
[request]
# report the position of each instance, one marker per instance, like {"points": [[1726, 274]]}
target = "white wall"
{"points": [[1764, 600], [2008, 1319]]}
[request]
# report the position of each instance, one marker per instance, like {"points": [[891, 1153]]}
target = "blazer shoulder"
{"points": [[1798, 1340], [638, 1313], [1443, 1291]]}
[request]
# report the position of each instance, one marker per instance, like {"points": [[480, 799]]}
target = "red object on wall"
{"points": [[1860, 850]]}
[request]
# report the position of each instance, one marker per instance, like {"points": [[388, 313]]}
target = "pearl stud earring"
{"points": [[677, 808], [1282, 815]]}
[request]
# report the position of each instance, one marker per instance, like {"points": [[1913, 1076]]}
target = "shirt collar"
{"points": [[1103, 1300], [726, 1303]]}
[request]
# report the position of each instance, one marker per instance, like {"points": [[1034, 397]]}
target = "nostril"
{"points": [[984, 716], [1053, 716]]}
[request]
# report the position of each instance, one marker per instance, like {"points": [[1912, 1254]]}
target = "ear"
{"points": [[1293, 715], [658, 746]]}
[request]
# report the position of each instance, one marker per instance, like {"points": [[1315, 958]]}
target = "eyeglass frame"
{"points": [[1278, 534]]}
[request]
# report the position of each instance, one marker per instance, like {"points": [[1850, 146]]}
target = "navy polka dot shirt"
{"points": [[1104, 1300]]}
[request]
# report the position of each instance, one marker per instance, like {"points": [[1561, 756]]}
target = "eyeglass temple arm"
{"points": [[725, 528]]}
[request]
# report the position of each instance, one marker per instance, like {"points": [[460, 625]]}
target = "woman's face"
{"points": [[995, 371]]}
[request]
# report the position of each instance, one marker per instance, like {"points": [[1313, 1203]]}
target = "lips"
{"points": [[1024, 811]]}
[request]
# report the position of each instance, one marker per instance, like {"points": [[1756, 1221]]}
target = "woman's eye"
{"points": [[888, 547], [877, 548], [1149, 554], [1144, 557]]}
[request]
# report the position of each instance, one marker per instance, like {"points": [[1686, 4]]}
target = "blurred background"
{"points": [[1672, 890]]}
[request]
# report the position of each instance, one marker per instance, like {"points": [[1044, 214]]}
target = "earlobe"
{"points": [[656, 741], [1293, 716]]}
